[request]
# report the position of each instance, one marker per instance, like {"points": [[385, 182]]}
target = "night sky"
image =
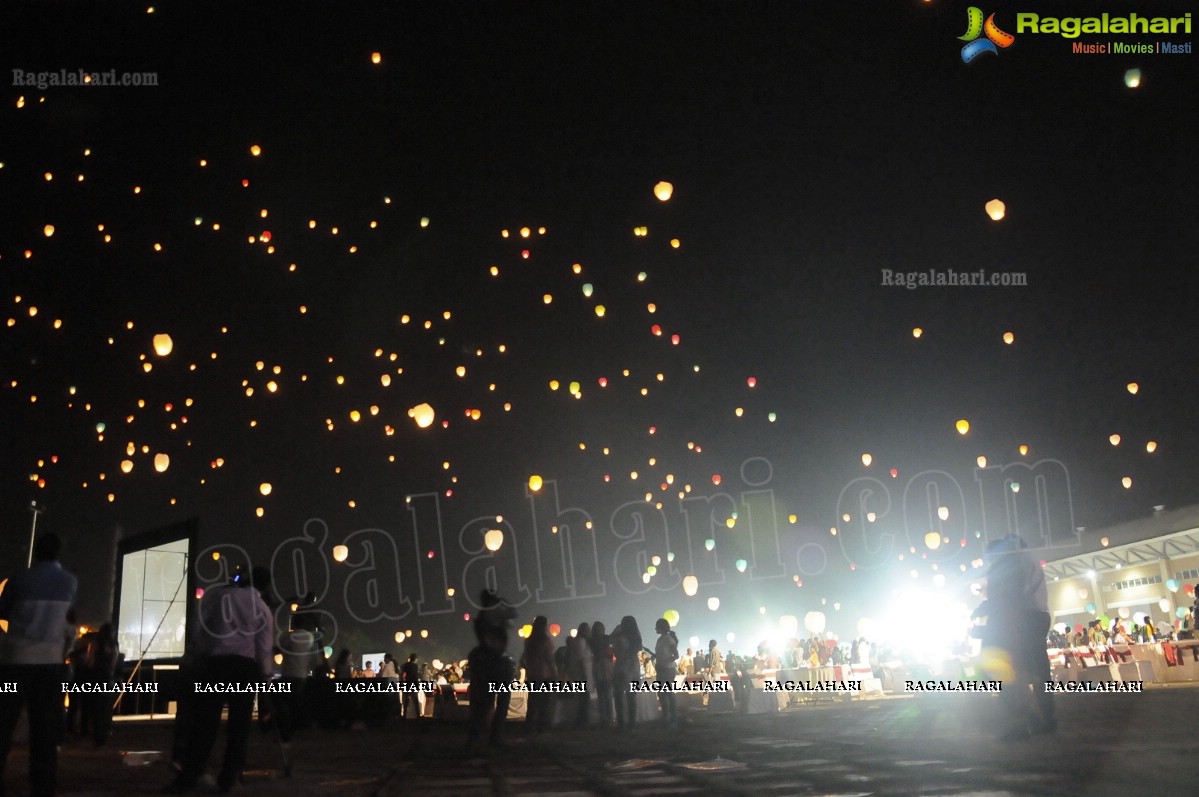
{"points": [[810, 146]]}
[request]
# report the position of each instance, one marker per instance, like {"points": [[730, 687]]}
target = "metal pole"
{"points": [[37, 510]]}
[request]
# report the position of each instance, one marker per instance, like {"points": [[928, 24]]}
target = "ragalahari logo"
{"points": [[975, 27]]}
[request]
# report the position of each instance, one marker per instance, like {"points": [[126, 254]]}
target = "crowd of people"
{"points": [[235, 641]]}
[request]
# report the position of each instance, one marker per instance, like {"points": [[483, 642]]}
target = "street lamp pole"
{"points": [[36, 510]]}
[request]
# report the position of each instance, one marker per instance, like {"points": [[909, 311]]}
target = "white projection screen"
{"points": [[152, 595]]}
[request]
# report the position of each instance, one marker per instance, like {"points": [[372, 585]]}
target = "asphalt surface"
{"points": [[939, 744]]}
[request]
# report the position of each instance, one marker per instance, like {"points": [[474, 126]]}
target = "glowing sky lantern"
{"points": [[265, 488], [535, 482], [1132, 78], [255, 150], [423, 414], [376, 58], [1023, 449], [493, 540], [996, 209], [741, 564], [341, 553], [424, 221], [555, 629], [716, 479], [709, 544], [752, 381], [525, 630], [981, 461], [671, 616], [1133, 387], [1009, 338], [1114, 439], [917, 332], [163, 345], [1104, 541], [690, 586], [48, 230], [126, 465], [713, 604], [1127, 482], [1151, 446], [161, 462], [962, 426], [943, 512], [663, 191], [932, 540], [867, 459], [814, 622], [600, 310]]}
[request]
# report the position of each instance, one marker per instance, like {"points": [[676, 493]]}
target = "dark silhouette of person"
{"points": [[32, 655], [1017, 612], [626, 645], [490, 667], [540, 670], [666, 657], [410, 676], [234, 640]]}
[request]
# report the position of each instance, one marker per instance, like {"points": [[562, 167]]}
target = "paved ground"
{"points": [[928, 745]]}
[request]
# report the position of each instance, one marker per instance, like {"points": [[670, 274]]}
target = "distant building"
{"points": [[1127, 566]]}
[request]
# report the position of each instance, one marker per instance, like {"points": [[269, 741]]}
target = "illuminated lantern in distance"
{"points": [[163, 344], [671, 616], [690, 586], [1114, 440], [932, 540], [814, 622], [265, 488], [1009, 338], [535, 482], [161, 462], [663, 191], [996, 209], [1133, 387], [962, 426], [713, 604], [340, 553], [493, 540], [1132, 78], [867, 459]]}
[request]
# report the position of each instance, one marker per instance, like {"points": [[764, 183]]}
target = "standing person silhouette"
{"points": [[540, 671], [490, 667], [1017, 611], [33, 655], [666, 656], [626, 643]]}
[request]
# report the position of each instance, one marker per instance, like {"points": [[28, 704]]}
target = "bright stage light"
{"points": [[926, 625]]}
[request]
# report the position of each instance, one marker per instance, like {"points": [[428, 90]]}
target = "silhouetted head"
{"points": [[47, 548]]}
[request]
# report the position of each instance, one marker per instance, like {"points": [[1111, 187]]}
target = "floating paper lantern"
{"points": [[982, 462], [126, 465], [663, 191], [1132, 78], [943, 512], [962, 426], [424, 221], [48, 230], [163, 344], [671, 616], [555, 629], [867, 459], [340, 553], [1089, 608], [1023, 450], [535, 482], [1104, 541], [917, 332], [710, 544], [932, 540], [265, 488], [1127, 482], [1172, 584], [690, 586], [1014, 487], [162, 462], [996, 209], [1009, 338], [716, 479], [1164, 604], [1151, 446], [493, 540], [752, 381], [255, 150], [376, 58], [1133, 387], [713, 604], [1114, 440], [423, 414], [814, 622], [741, 564]]}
